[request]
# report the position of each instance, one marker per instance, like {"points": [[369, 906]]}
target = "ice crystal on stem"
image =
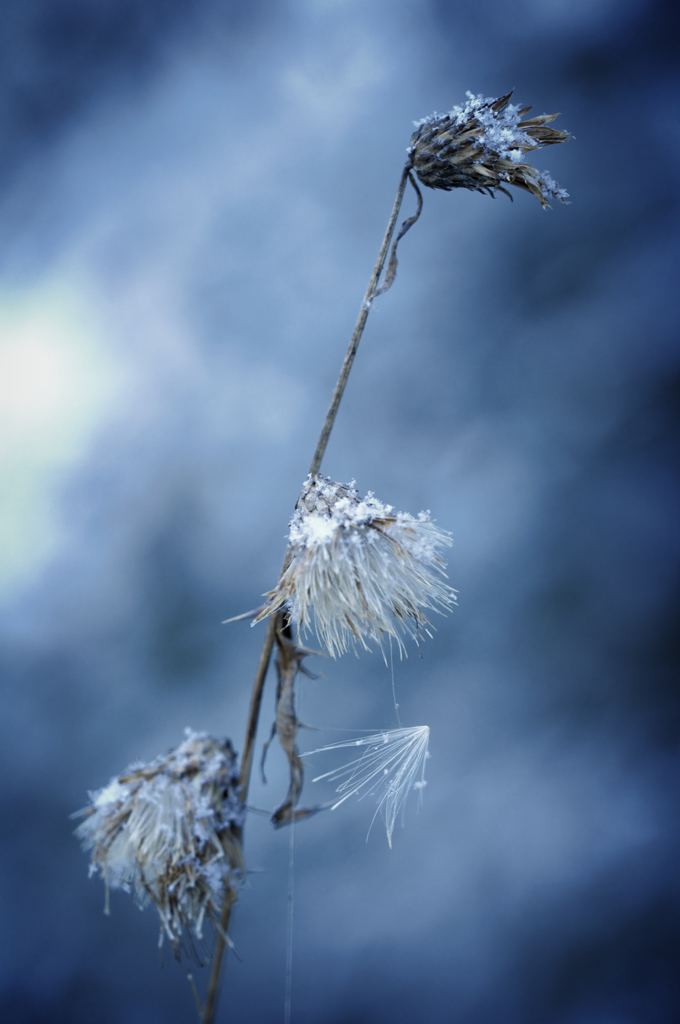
{"points": [[480, 146], [359, 569], [392, 763], [167, 832]]}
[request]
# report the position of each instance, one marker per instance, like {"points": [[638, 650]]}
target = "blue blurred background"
{"points": [[192, 195]]}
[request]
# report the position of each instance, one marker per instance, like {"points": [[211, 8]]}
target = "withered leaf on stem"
{"points": [[289, 661]]}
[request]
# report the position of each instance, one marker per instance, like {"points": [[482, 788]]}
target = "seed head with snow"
{"points": [[168, 832], [359, 569], [480, 146]]}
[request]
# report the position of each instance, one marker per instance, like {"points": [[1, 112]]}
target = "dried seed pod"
{"points": [[168, 832], [479, 146], [360, 569]]}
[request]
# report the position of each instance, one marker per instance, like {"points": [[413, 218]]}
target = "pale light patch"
{"points": [[56, 384], [330, 86]]}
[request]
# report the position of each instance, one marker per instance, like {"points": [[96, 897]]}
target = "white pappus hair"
{"points": [[392, 763]]}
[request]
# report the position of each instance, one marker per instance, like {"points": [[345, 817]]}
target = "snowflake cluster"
{"points": [[550, 188], [502, 134]]}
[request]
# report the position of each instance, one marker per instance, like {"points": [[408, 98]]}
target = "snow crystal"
{"points": [[550, 188]]}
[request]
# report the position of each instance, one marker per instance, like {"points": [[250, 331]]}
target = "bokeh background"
{"points": [[192, 195]]}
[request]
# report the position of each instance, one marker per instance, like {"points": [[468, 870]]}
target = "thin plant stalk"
{"points": [[244, 781], [258, 685], [214, 984], [359, 329]]}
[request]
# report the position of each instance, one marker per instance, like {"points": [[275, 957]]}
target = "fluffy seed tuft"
{"points": [[359, 569], [393, 762], [167, 832]]}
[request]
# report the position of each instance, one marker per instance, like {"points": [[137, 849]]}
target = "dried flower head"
{"points": [[392, 763], [361, 569], [166, 832], [480, 145]]}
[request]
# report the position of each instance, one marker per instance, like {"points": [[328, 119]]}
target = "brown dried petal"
{"points": [[477, 147]]}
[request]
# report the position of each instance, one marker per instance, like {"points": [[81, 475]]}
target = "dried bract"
{"points": [[480, 146], [359, 569], [168, 832]]}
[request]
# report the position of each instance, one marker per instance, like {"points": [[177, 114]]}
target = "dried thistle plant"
{"points": [[172, 831], [480, 146], [168, 832], [359, 569]]}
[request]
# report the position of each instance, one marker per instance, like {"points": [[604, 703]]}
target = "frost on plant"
{"points": [[392, 763], [166, 832], [480, 146], [359, 569], [355, 571]]}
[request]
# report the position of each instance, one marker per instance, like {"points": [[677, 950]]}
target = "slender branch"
{"points": [[244, 781], [391, 271], [255, 702], [214, 983], [359, 329], [258, 685]]}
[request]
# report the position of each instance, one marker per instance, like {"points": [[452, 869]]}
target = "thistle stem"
{"points": [[255, 702], [359, 329], [214, 983], [258, 685], [244, 781]]}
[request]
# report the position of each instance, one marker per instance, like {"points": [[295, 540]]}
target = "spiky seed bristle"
{"points": [[392, 764]]}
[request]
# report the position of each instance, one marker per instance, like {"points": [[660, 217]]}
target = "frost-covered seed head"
{"points": [[480, 145], [167, 832], [359, 569]]}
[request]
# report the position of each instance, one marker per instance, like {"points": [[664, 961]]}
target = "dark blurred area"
{"points": [[192, 195], [59, 57]]}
